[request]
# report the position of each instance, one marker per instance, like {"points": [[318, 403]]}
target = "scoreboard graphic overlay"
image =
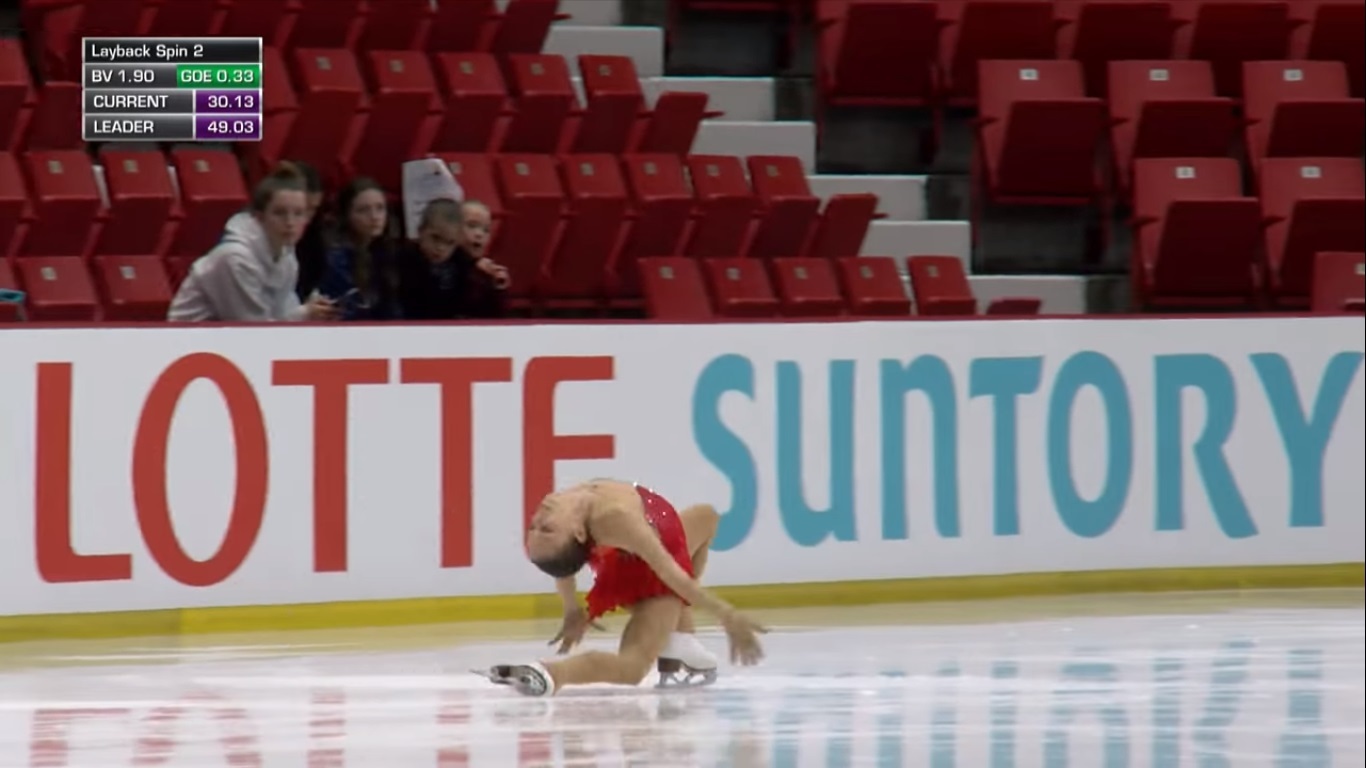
{"points": [[171, 89]]}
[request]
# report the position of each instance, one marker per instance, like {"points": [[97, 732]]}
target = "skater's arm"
{"points": [[568, 589], [648, 548]]}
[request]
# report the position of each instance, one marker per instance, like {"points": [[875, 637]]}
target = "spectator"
{"points": [[251, 274], [360, 274], [445, 274], [311, 250]]}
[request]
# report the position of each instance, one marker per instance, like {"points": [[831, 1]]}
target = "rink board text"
{"points": [[165, 468]]}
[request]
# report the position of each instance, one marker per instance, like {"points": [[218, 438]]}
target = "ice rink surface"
{"points": [[1207, 680]]}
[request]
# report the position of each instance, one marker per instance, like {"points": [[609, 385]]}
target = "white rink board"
{"points": [[923, 479]]}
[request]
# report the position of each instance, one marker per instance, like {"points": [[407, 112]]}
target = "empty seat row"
{"points": [[863, 286], [1201, 243], [701, 205], [375, 111], [914, 53], [352, 115], [52, 204], [57, 26], [1038, 133], [1339, 282], [573, 227], [69, 289]]}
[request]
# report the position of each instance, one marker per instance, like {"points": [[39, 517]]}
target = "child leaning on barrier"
{"points": [[445, 275], [250, 275]]}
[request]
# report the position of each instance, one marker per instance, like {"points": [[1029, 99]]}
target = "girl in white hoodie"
{"points": [[251, 274]]}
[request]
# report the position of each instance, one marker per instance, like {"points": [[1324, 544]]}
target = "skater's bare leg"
{"points": [[645, 636], [699, 527]]}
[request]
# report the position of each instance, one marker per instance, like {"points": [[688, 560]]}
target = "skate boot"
{"points": [[526, 679], [686, 663]]}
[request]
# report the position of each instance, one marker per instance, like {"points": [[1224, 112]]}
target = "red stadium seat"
{"points": [[843, 226], [522, 242], [1337, 32], [1312, 205], [524, 26], [807, 288], [527, 180], [477, 179], [57, 36], [476, 98], [940, 286], [133, 287], [576, 275], [186, 18], [16, 91], [401, 98], [1301, 109], [1339, 281], [1105, 31], [66, 204], [266, 19], [674, 289], [984, 30], [1196, 238], [1167, 109], [279, 110], [1227, 33], [544, 101], [880, 54], [663, 204], [59, 289], [787, 211], [324, 23], [330, 91], [874, 286], [1039, 133], [725, 206], [211, 191], [14, 203], [396, 25], [614, 102], [740, 288], [55, 121], [673, 123], [1014, 306], [462, 27], [141, 203]]}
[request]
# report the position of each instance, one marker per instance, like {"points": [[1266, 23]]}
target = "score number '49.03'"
{"points": [[231, 127], [242, 101]]}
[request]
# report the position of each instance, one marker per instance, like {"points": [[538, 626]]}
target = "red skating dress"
{"points": [[620, 579]]}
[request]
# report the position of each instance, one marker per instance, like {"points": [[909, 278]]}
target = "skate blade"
{"points": [[686, 677], [489, 675]]}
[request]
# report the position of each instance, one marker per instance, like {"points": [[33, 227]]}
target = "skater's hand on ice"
{"points": [[575, 626], [743, 633]]}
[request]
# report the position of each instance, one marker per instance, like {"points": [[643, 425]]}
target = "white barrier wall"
{"points": [[162, 468]]}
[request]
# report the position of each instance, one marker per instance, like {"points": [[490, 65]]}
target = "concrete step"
{"points": [[900, 198], [745, 138], [899, 239], [644, 45]]}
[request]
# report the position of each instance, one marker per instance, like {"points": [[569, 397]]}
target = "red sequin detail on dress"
{"points": [[620, 579]]}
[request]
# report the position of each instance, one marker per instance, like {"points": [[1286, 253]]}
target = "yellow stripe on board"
{"points": [[440, 610]]}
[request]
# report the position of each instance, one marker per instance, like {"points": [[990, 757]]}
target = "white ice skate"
{"points": [[526, 679], [686, 663]]}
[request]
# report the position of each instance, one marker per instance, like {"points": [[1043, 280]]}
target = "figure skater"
{"points": [[646, 558]]}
